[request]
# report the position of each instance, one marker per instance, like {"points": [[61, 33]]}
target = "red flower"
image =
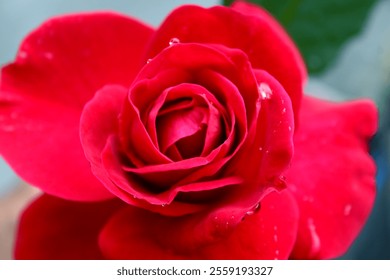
{"points": [[187, 140]]}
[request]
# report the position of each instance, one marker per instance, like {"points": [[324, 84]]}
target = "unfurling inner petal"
{"points": [[188, 124]]}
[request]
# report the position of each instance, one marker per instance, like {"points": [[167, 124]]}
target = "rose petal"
{"points": [[269, 148], [52, 228], [268, 234], [59, 67], [136, 234], [99, 120], [260, 37], [332, 175], [136, 191]]}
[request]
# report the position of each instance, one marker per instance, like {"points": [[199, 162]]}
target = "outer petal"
{"points": [[332, 175], [58, 68], [250, 29], [268, 234], [52, 228]]}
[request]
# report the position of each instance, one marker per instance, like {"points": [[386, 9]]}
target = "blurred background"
{"points": [[346, 45]]}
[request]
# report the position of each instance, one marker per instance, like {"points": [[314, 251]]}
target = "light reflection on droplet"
{"points": [[265, 91], [22, 54], [347, 209], [174, 41], [48, 55], [315, 239]]}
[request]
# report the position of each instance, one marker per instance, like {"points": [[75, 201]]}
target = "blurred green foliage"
{"points": [[319, 27]]}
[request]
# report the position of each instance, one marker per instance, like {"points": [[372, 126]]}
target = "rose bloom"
{"points": [[190, 141]]}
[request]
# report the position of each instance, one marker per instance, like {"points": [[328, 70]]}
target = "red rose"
{"points": [[187, 140]]}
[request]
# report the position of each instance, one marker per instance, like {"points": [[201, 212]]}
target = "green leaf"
{"points": [[319, 27]]}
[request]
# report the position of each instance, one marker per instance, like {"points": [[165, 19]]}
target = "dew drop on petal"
{"points": [[250, 212], [275, 234], [315, 239], [284, 111], [149, 60], [48, 55], [163, 205], [265, 91], [174, 41], [347, 209], [22, 54], [256, 208], [260, 149]]}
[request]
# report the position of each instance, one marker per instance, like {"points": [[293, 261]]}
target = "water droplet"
{"points": [[48, 55], [174, 41], [265, 91], [347, 209], [149, 60], [277, 253], [22, 55], [260, 149], [163, 205], [275, 234], [289, 128], [284, 111], [255, 209], [315, 239], [249, 213]]}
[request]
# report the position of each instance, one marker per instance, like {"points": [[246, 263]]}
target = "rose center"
{"points": [[183, 128]]}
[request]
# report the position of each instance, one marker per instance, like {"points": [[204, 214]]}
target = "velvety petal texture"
{"points": [[333, 177], [53, 228], [59, 67], [268, 232]]}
